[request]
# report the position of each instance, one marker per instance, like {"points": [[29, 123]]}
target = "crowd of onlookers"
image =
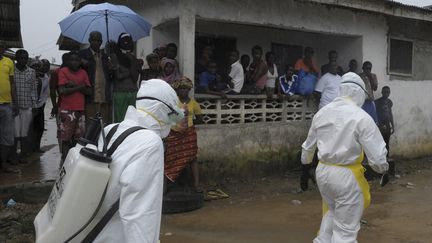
{"points": [[261, 76], [243, 76], [24, 90], [89, 82], [106, 81]]}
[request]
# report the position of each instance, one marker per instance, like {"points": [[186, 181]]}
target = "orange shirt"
{"points": [[301, 65]]}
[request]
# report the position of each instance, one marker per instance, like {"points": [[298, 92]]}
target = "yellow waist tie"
{"points": [[358, 171]]}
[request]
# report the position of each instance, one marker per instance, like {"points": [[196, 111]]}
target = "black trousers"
{"points": [[38, 127], [386, 132]]}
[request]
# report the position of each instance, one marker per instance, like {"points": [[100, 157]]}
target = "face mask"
{"points": [[177, 117], [160, 122], [174, 117], [164, 127]]}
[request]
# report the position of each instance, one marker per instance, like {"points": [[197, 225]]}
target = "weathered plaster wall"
{"points": [[157, 13], [413, 118], [247, 36], [250, 149], [311, 18], [411, 95], [420, 33], [165, 34], [411, 98]]}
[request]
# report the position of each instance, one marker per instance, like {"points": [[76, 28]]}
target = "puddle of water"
{"points": [[41, 166]]}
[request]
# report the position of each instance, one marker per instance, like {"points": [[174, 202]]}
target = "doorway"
{"points": [[286, 54], [215, 46]]}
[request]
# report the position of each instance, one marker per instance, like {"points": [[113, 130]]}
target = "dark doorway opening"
{"points": [[286, 54], [214, 46]]}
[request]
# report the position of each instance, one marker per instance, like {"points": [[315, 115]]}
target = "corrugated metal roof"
{"points": [[383, 7], [67, 44], [397, 3], [10, 27]]}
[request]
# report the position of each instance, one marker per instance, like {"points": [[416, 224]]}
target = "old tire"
{"points": [[181, 200]]}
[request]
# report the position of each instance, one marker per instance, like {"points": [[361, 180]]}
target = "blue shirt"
{"points": [[288, 87], [206, 80]]}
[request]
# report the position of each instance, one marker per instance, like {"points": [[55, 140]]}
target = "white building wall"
{"points": [[247, 36], [157, 13], [413, 117], [309, 17], [412, 113], [164, 35]]}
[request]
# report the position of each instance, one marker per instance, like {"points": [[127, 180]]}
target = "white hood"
{"points": [[353, 87], [153, 114]]}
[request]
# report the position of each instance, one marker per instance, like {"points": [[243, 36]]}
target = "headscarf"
{"points": [[182, 83], [125, 42], [124, 50], [174, 75], [353, 87]]}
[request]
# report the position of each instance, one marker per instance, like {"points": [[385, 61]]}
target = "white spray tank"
{"points": [[76, 195]]}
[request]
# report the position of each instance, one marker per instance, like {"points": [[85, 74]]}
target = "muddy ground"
{"points": [[263, 210], [267, 210]]}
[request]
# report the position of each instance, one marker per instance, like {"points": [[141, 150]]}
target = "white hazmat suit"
{"points": [[342, 131], [137, 168]]}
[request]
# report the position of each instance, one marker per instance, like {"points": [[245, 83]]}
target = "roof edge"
{"points": [[385, 7]]}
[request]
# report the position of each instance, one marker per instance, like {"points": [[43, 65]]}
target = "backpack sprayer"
{"points": [[80, 189]]}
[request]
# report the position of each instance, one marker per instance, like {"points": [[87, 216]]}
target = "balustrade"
{"points": [[241, 109]]}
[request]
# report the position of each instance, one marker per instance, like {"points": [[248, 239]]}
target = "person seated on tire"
{"points": [[181, 144]]}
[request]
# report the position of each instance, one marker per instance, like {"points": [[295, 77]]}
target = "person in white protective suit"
{"points": [[343, 133], [137, 166]]}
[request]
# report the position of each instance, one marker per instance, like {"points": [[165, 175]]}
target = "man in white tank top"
{"points": [[272, 74]]}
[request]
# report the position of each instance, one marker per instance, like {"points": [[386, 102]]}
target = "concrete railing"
{"points": [[242, 109]]}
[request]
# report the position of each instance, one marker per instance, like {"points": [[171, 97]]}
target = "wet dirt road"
{"points": [[40, 166], [263, 211], [401, 212]]}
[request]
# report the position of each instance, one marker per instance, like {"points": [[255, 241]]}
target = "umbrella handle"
{"points": [[107, 32]]}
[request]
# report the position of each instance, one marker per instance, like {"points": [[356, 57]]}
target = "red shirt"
{"points": [[301, 65], [74, 101]]}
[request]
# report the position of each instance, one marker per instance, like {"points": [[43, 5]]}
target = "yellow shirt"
{"points": [[6, 70], [192, 108]]}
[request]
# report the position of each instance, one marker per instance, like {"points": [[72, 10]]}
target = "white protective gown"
{"points": [[137, 170], [341, 131]]}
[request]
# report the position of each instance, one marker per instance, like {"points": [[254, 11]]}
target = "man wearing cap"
{"points": [[343, 133]]}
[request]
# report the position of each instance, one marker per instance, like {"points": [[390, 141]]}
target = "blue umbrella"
{"points": [[104, 17]]}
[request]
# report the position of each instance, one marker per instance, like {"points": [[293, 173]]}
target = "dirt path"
{"points": [[40, 166], [264, 212]]}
